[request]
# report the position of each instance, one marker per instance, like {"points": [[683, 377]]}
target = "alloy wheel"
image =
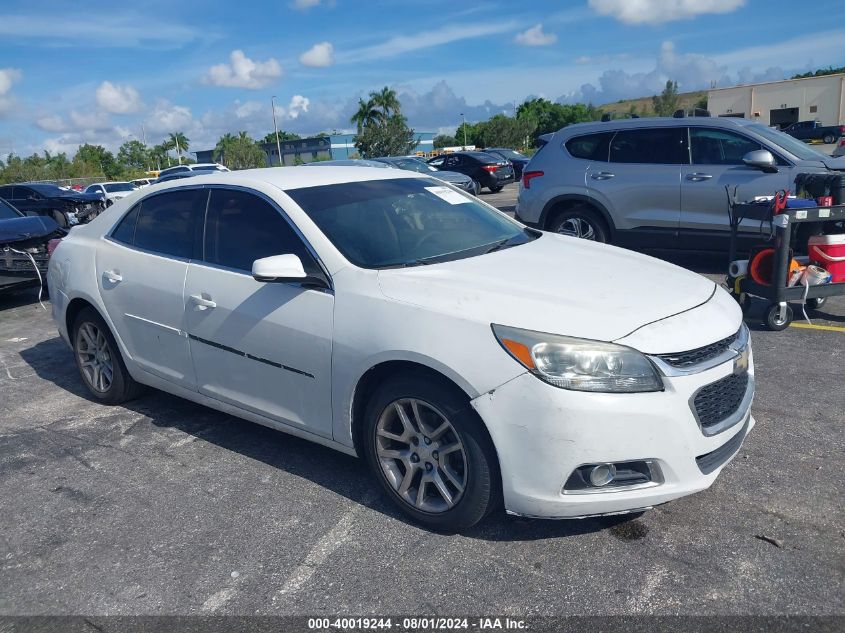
{"points": [[95, 357], [421, 455], [577, 227]]}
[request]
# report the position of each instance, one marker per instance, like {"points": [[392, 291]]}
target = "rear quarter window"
{"points": [[590, 146]]}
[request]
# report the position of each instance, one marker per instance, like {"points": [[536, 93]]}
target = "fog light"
{"points": [[602, 474]]}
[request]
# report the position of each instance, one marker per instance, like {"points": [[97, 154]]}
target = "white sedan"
{"points": [[471, 360], [112, 191]]}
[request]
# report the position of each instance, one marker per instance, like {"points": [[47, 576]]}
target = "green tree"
{"points": [[222, 147], [550, 117], [133, 154], [391, 137], [270, 137], [99, 157], [504, 131], [821, 72], [386, 101], [366, 114], [444, 140], [243, 152], [666, 103], [160, 156], [179, 142], [467, 134]]}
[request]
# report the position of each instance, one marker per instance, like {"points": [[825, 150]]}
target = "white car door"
{"points": [[141, 271], [263, 346]]}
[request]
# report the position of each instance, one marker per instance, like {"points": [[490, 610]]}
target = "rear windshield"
{"points": [[395, 223], [7, 212], [509, 153], [119, 186]]}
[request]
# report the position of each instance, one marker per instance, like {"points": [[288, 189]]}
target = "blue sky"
{"points": [[97, 72]]}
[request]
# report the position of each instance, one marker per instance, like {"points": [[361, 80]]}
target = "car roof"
{"points": [[286, 178], [655, 122]]}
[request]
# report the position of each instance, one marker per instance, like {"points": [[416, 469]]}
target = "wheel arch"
{"points": [[567, 201], [370, 380]]}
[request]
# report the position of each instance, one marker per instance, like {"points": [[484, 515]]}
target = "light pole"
{"points": [[464, 121], [276, 129]]}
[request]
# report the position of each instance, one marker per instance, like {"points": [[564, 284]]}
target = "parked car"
{"points": [[412, 163], [143, 182], [185, 171], [486, 170], [112, 191], [379, 313], [815, 131], [518, 161], [64, 206], [347, 162], [840, 148], [24, 248], [659, 183]]}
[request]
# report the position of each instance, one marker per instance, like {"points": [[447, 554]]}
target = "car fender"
{"points": [[602, 205]]}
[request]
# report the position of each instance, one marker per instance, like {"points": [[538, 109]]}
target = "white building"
{"points": [[784, 102]]}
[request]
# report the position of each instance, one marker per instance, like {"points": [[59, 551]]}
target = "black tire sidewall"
{"points": [[481, 493], [771, 315], [121, 381]]}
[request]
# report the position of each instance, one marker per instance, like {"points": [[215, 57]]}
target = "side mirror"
{"points": [[278, 268], [761, 159]]}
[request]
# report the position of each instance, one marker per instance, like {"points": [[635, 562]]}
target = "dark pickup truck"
{"points": [[815, 131], [65, 207]]}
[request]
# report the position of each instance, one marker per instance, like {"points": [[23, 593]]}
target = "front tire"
{"points": [[431, 453], [580, 222], [99, 361], [496, 189]]}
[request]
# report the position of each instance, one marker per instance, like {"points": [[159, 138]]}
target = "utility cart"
{"points": [[778, 314]]}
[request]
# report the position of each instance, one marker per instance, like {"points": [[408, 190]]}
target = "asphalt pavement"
{"points": [[167, 507]]}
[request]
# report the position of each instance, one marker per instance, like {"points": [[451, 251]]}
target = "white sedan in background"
{"points": [[471, 360], [112, 191]]}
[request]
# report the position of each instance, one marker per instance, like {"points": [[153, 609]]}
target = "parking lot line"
{"points": [[813, 326]]}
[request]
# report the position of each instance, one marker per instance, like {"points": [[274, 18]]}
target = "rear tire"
{"points": [[496, 189], [829, 139], [437, 443], [99, 361], [581, 222]]}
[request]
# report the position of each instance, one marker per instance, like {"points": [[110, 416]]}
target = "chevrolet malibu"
{"points": [[470, 360]]}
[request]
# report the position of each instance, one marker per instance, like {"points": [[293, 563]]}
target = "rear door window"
{"points": [[241, 227], [167, 222], [590, 146], [124, 232], [656, 146]]}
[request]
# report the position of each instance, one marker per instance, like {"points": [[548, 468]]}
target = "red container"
{"points": [[828, 251]]}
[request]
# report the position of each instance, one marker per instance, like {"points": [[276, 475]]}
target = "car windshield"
{"points": [[509, 153], [46, 189], [119, 186], [414, 164], [7, 212], [395, 223], [787, 142]]}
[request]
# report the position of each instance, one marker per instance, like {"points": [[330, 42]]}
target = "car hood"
{"points": [[555, 284], [28, 228], [835, 163], [450, 176]]}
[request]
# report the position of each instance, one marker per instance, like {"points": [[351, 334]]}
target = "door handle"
{"points": [[602, 175], [698, 177], [202, 303], [113, 276]]}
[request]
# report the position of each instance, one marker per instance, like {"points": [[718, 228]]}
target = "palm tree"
{"points": [[223, 144], [387, 100], [179, 142], [367, 113]]}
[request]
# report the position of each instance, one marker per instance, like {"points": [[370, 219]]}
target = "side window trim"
{"points": [[140, 204], [779, 159], [278, 209]]}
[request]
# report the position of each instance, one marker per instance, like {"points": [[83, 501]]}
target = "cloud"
{"points": [[318, 56], [660, 11], [8, 77], [242, 72], [401, 44], [119, 99], [535, 37], [298, 105], [165, 118], [440, 107], [302, 5], [117, 29]]}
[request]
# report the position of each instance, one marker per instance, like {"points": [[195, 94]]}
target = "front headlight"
{"points": [[579, 364]]}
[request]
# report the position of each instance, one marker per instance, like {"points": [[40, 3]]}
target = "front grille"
{"points": [[718, 401], [682, 360], [709, 462]]}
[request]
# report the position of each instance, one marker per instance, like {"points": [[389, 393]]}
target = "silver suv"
{"points": [[659, 183]]}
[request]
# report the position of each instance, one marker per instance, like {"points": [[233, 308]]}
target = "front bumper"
{"points": [[542, 434]]}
